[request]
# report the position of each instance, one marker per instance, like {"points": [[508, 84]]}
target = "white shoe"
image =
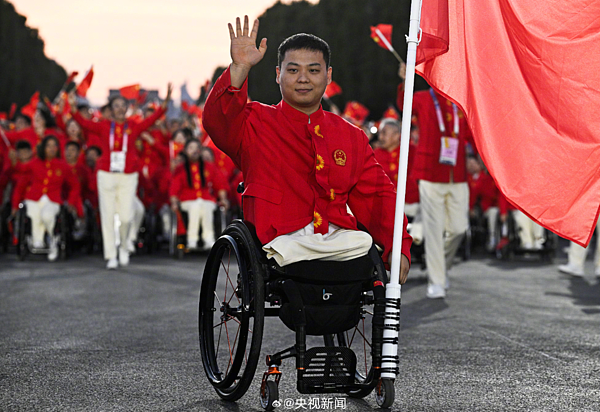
{"points": [[123, 257], [572, 270], [112, 264], [53, 249], [435, 292]]}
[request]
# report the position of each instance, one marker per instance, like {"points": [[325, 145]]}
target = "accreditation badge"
{"points": [[117, 162], [449, 151]]}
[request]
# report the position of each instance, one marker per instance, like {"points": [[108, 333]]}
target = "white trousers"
{"points": [[578, 254], [303, 244], [445, 211], [43, 217], [116, 194], [530, 232], [200, 213]]}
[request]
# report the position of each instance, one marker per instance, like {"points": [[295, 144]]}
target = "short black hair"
{"points": [[41, 149], [73, 143], [23, 144], [304, 41]]}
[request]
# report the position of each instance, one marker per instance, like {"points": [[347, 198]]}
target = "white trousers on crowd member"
{"points": [[43, 214], [445, 211], [116, 194], [138, 218], [200, 213], [530, 233], [578, 254]]}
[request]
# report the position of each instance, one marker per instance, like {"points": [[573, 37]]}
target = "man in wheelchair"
{"points": [[311, 180]]}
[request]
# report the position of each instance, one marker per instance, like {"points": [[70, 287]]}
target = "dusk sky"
{"points": [[149, 42]]}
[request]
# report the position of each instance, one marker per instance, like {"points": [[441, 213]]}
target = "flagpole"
{"points": [[390, 359]]}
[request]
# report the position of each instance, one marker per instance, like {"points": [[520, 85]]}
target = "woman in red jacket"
{"points": [[117, 171], [196, 185], [41, 186]]}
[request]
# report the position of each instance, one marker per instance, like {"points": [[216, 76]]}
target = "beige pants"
{"points": [[43, 214], [578, 254], [445, 211], [338, 245], [200, 213], [116, 194], [530, 233]]}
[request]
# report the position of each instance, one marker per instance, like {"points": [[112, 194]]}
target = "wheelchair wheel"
{"points": [[231, 312]]}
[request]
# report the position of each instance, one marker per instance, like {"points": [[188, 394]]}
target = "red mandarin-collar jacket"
{"points": [[482, 188], [31, 136], [102, 129], [389, 162], [300, 169], [427, 165], [215, 181], [47, 177]]}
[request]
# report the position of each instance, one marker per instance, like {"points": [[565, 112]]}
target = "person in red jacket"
{"points": [[41, 189], [117, 171], [440, 168], [484, 194], [196, 186], [302, 166]]}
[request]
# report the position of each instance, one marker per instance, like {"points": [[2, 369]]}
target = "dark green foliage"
{"points": [[366, 72], [24, 68]]}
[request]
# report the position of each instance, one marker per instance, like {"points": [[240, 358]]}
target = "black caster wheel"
{"points": [[270, 395], [385, 393]]}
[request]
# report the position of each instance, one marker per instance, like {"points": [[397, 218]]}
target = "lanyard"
{"points": [[112, 137], [438, 112]]}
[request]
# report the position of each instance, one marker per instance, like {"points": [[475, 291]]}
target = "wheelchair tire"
{"points": [[231, 371]]}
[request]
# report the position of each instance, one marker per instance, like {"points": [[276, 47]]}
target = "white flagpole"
{"points": [[390, 360]]}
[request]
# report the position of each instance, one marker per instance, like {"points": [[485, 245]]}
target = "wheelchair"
{"points": [[508, 242], [178, 236], [22, 234], [348, 310]]}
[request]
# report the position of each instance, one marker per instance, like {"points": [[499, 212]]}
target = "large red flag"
{"points": [[85, 83], [525, 74], [333, 89]]}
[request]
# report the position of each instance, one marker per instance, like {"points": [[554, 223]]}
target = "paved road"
{"points": [[75, 337]]}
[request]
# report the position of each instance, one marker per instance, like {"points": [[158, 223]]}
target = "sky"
{"points": [[150, 42]]}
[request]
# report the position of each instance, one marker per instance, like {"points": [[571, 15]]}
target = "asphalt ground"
{"points": [[510, 336]]}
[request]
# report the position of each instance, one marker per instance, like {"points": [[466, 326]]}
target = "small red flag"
{"points": [[30, 108], [13, 110], [332, 89], [382, 35], [86, 83], [356, 112], [130, 92]]}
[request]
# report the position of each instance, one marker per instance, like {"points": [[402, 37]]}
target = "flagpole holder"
{"points": [[390, 359]]}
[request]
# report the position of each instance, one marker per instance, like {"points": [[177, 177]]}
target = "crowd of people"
{"points": [[124, 160]]}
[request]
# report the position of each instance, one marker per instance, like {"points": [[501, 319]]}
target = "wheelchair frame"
{"points": [[327, 369]]}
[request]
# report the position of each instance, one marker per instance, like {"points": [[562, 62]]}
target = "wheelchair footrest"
{"points": [[327, 369]]}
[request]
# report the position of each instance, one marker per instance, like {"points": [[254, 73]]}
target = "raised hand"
{"points": [[244, 53]]}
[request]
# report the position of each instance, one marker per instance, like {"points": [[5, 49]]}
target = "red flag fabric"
{"points": [[130, 92], [30, 108], [391, 113], [355, 112], [13, 111], [333, 89], [525, 75], [86, 83], [384, 37]]}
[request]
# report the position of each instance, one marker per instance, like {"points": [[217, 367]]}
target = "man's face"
{"points": [[302, 78], [389, 137]]}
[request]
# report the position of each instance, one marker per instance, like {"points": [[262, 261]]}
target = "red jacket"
{"points": [[389, 162], [483, 190], [102, 128], [214, 182], [300, 169], [47, 177], [427, 166]]}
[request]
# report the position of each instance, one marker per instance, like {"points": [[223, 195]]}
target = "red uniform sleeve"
{"points": [[225, 114], [373, 202]]}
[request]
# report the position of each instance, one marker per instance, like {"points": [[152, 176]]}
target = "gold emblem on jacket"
{"points": [[340, 157]]}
